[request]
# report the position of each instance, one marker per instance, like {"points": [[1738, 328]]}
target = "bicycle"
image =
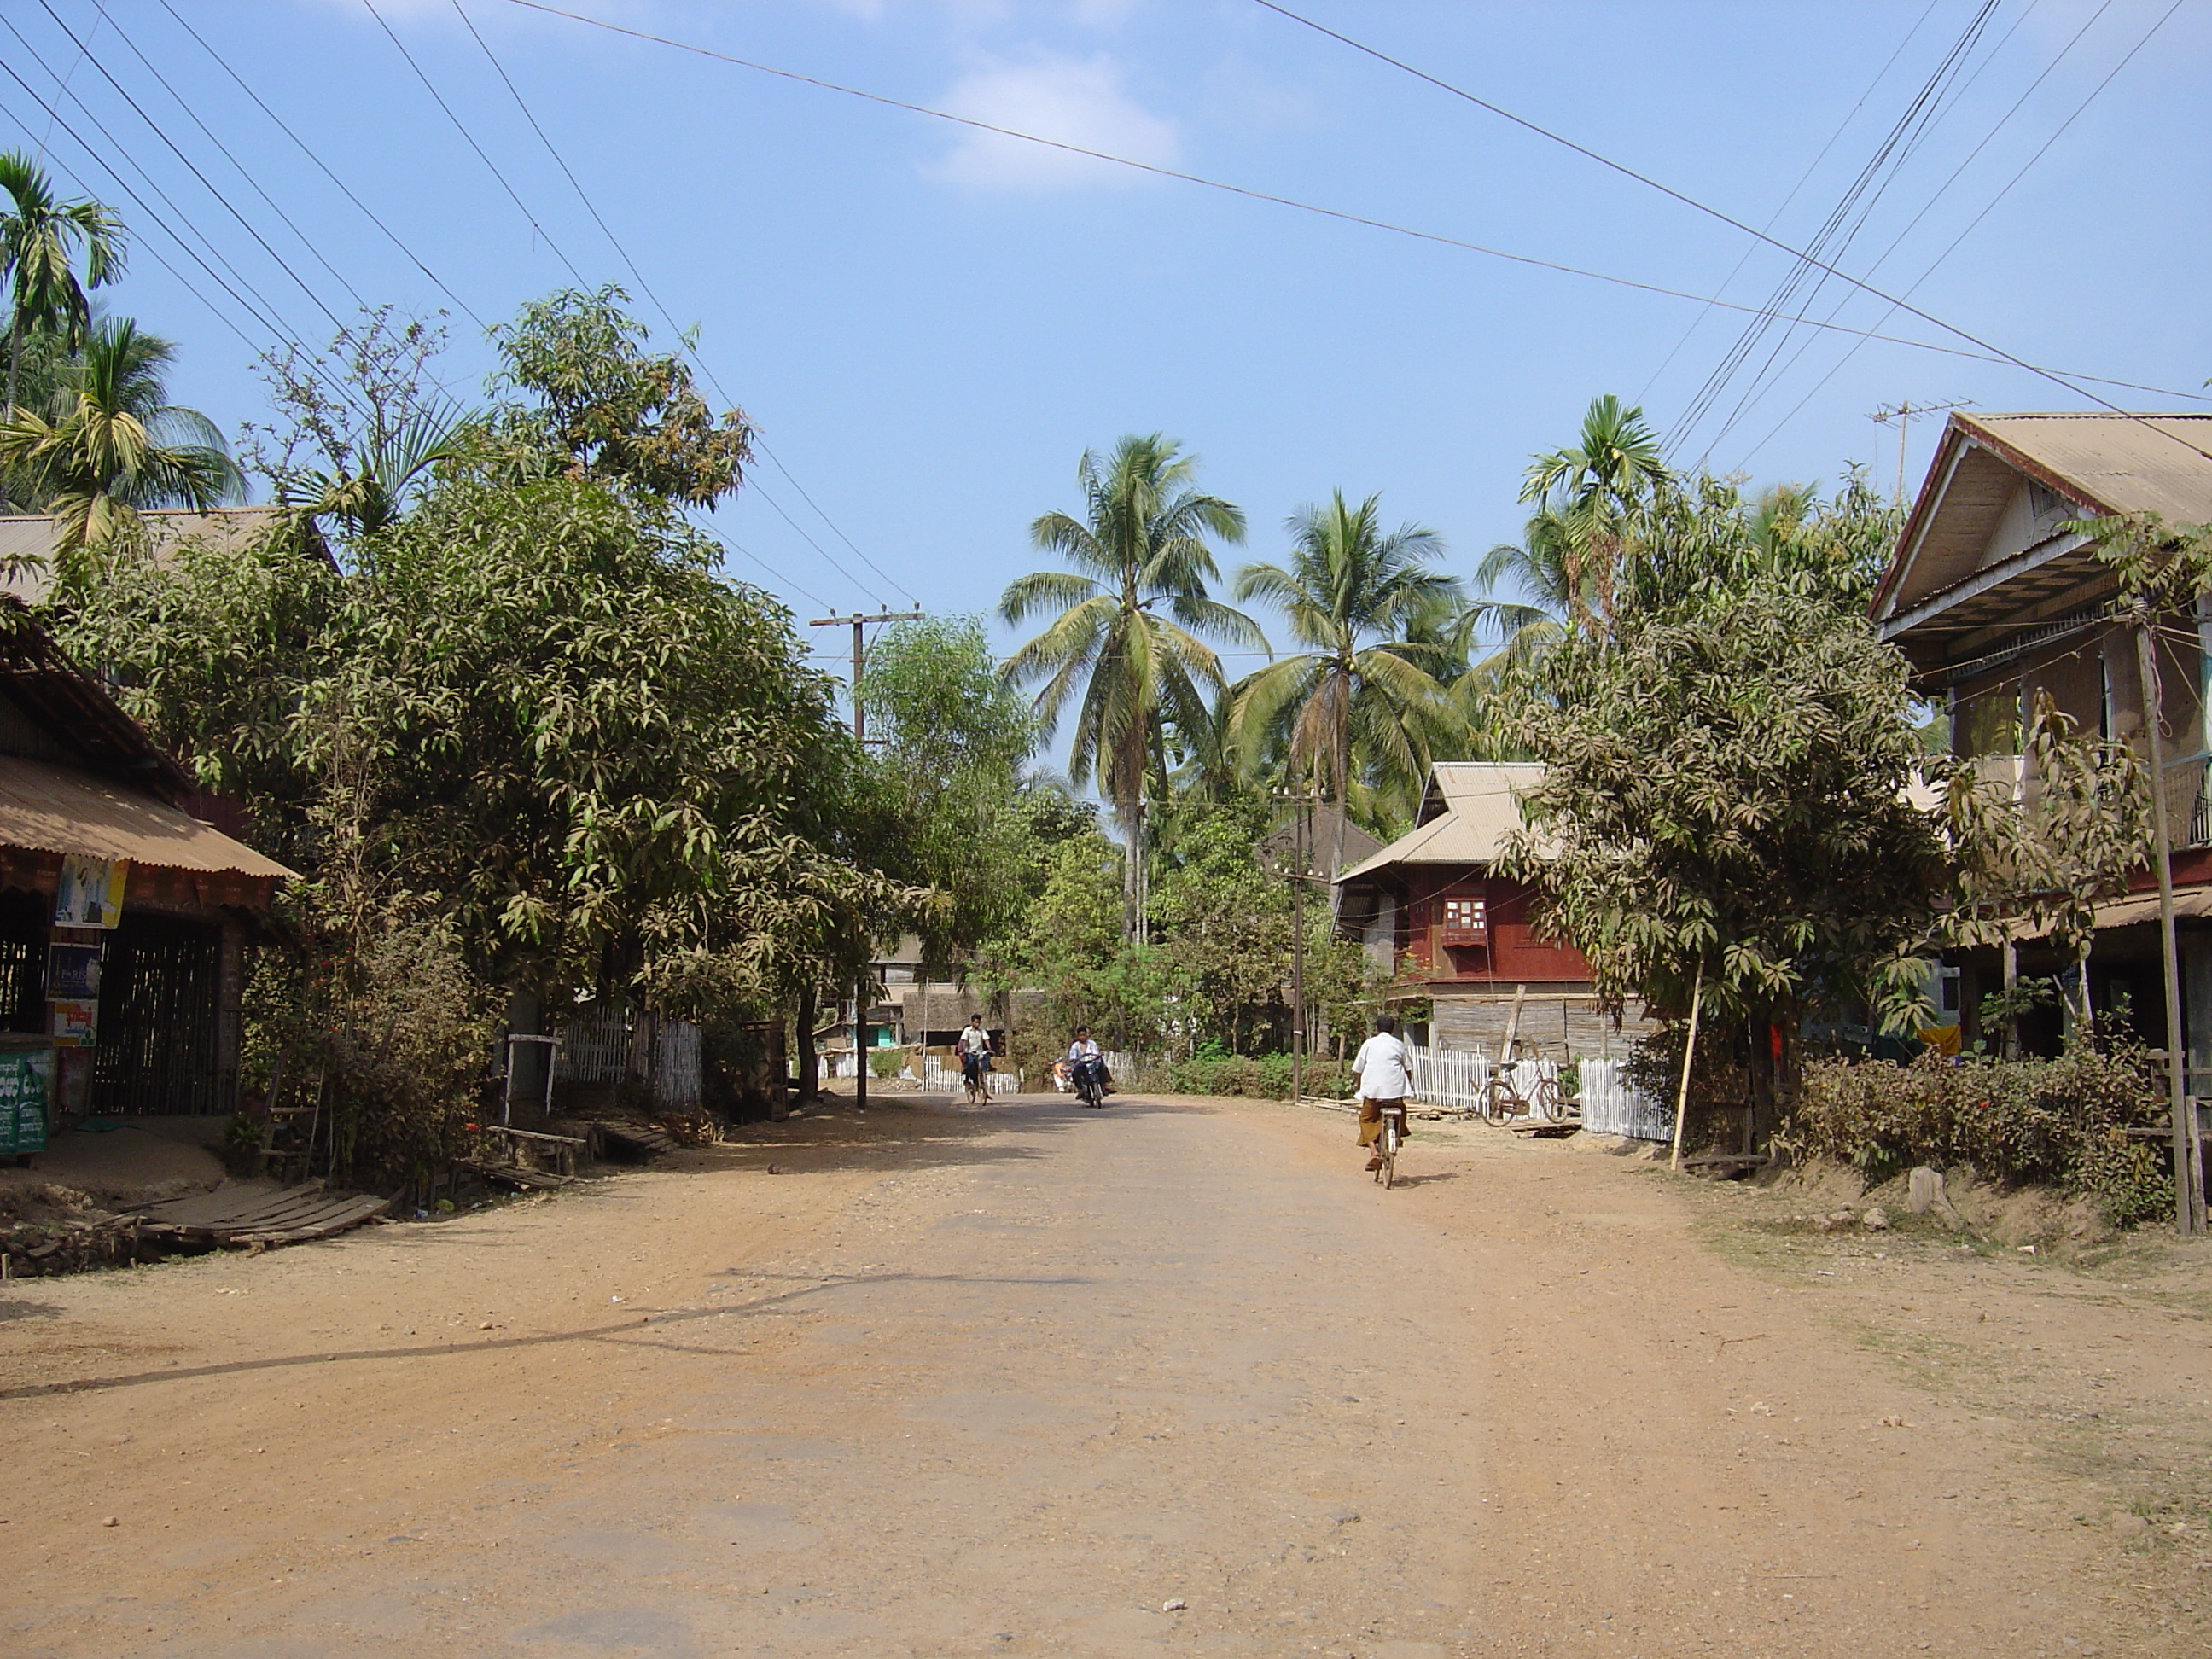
{"points": [[1503, 1102], [976, 1078], [1389, 1136]]}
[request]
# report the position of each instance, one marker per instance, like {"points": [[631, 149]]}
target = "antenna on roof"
{"points": [[1902, 413]]}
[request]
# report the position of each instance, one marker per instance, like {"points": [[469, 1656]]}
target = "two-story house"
{"points": [[1995, 601], [1431, 910]]}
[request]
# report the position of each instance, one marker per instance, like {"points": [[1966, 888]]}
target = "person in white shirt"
{"points": [[1384, 1080], [975, 1046], [1084, 1052]]}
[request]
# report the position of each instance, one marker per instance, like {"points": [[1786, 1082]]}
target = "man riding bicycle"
{"points": [[1384, 1083], [974, 1047]]}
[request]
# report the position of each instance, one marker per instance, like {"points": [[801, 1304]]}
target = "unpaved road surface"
{"points": [[1169, 1378]]}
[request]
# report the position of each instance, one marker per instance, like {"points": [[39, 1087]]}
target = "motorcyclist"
{"points": [[1085, 1060]]}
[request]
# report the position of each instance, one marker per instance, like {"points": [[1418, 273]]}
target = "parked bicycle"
{"points": [[1504, 1101]]}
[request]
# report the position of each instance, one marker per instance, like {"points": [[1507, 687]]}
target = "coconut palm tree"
{"points": [[41, 239], [1592, 489], [1359, 705], [111, 442], [1125, 643], [369, 490]]}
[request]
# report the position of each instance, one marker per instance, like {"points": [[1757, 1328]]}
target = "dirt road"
{"points": [[1170, 1378]]}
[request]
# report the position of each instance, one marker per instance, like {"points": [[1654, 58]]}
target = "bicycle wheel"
{"points": [[1500, 1103], [1551, 1101], [1388, 1174]]}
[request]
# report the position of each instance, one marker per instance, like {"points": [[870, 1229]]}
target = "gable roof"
{"points": [[2091, 465], [27, 540], [1468, 809]]}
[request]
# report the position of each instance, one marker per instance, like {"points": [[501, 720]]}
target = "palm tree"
{"points": [[1360, 703], [40, 237], [369, 490], [1130, 616], [111, 442], [1593, 488], [1537, 566]]}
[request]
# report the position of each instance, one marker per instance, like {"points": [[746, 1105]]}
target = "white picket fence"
{"points": [[1611, 1106], [938, 1078], [1454, 1080]]}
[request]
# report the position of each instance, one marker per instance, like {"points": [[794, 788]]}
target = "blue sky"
{"points": [[930, 323]]}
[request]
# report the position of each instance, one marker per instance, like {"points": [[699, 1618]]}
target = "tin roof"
{"points": [[2091, 464], [60, 808], [27, 540], [1467, 811]]}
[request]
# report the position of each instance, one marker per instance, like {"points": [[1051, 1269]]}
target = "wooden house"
{"points": [[1431, 910], [124, 912], [1997, 601]]}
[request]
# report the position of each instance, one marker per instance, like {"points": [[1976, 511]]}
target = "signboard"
{"points": [[23, 1078], [76, 1022], [73, 970], [90, 892]]}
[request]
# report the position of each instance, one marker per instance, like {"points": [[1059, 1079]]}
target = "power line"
{"points": [[272, 321], [237, 166], [305, 149], [647, 288], [1804, 177], [1832, 238], [2094, 92], [282, 264], [470, 138], [1668, 191], [1752, 400], [1986, 354]]}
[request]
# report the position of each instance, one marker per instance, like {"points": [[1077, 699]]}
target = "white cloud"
{"points": [[1076, 101]]}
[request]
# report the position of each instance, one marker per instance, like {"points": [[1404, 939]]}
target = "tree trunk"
{"points": [[15, 360], [810, 1063], [1133, 818]]}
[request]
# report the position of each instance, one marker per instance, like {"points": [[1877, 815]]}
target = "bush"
{"points": [[886, 1062], [2057, 1123], [1268, 1076]]}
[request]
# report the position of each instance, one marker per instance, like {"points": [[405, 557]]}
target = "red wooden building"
{"points": [[1430, 910]]}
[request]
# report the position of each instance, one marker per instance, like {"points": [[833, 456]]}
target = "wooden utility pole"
{"points": [[858, 622], [1689, 1053], [1902, 413], [2188, 1145]]}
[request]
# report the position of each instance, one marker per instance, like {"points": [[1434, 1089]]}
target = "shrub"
{"points": [[2058, 1123], [885, 1062]]}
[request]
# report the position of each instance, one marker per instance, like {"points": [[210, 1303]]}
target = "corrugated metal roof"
{"points": [[27, 540], [58, 809], [2158, 463], [1475, 806]]}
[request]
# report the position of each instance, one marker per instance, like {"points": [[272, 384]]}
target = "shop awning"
{"points": [[60, 809]]}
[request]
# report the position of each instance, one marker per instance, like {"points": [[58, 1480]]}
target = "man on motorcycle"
{"points": [[974, 1047], [1084, 1060]]}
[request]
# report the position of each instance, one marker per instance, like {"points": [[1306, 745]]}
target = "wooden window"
{"points": [[1467, 921]]}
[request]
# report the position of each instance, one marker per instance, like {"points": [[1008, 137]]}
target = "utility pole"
{"points": [[2188, 1148], [1301, 835], [857, 622], [1902, 413]]}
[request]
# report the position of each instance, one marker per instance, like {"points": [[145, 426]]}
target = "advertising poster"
{"points": [[90, 892], [73, 971], [75, 1023], [23, 1077]]}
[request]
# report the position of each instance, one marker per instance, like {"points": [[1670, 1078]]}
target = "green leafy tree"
{"points": [[1359, 707], [1126, 643], [42, 240], [111, 443], [1726, 799], [1226, 925], [954, 737]]}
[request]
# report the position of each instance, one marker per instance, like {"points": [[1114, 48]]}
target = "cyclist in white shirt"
{"points": [[975, 1046], [1384, 1080]]}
